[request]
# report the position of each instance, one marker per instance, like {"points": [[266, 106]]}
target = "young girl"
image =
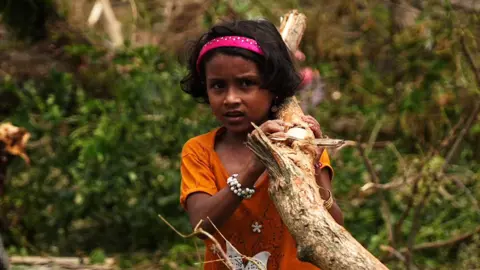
{"points": [[244, 71]]}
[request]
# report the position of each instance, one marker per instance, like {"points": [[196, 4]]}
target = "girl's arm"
{"points": [[221, 206], [322, 176]]}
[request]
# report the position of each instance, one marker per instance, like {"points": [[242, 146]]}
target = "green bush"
{"points": [[103, 169]]}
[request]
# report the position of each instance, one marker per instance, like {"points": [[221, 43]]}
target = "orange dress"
{"points": [[255, 226]]}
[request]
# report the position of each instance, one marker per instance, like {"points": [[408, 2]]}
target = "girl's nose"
{"points": [[232, 97]]}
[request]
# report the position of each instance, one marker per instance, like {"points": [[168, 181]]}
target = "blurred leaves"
{"points": [[103, 169]]}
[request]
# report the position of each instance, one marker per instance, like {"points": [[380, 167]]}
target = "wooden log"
{"points": [[293, 189]]}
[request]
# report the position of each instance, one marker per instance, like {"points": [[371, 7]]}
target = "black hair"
{"points": [[276, 67]]}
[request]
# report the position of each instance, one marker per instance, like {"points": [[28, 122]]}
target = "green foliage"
{"points": [[97, 256], [103, 170]]}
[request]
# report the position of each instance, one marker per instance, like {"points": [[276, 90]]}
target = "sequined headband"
{"points": [[229, 41]]}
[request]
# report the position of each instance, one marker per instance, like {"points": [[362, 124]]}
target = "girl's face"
{"points": [[233, 88]]}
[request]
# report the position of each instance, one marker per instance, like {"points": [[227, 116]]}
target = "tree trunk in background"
{"points": [[293, 189]]}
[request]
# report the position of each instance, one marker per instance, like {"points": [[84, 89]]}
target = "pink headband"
{"points": [[229, 41]]}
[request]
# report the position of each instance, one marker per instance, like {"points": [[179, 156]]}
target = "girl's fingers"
{"points": [[314, 125], [319, 152], [317, 132], [273, 126]]}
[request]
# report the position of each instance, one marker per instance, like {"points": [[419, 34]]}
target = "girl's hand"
{"points": [[317, 131], [269, 127], [313, 125], [272, 126]]}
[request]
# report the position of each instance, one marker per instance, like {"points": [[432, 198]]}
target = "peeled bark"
{"points": [[293, 189]]}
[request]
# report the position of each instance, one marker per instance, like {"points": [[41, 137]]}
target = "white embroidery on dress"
{"points": [[257, 227]]}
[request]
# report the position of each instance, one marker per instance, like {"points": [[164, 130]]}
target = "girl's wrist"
{"points": [[255, 165], [253, 171]]}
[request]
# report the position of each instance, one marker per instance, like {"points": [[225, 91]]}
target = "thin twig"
{"points": [[373, 135], [370, 188], [197, 230], [243, 256], [432, 245], [399, 156], [411, 200], [199, 257], [470, 60], [448, 242], [394, 252], [467, 191], [218, 231], [461, 135], [385, 210], [133, 5], [453, 131], [417, 213]]}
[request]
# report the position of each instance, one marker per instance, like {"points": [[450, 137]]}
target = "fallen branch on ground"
{"points": [[64, 262]]}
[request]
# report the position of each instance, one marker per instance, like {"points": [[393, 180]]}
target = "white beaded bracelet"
{"points": [[236, 187]]}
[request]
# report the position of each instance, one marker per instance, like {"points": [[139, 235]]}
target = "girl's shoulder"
{"points": [[204, 143]]}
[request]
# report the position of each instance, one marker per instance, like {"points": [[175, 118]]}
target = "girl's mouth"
{"points": [[234, 116]]}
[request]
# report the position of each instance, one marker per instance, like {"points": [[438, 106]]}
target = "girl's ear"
{"points": [[275, 105]]}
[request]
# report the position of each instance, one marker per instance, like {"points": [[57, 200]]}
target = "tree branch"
{"points": [[411, 200], [415, 228], [463, 132], [385, 210], [445, 243], [429, 245]]}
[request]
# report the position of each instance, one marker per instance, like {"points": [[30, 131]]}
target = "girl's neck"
{"points": [[235, 139]]}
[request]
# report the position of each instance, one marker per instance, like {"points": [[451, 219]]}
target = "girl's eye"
{"points": [[246, 83], [216, 85]]}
